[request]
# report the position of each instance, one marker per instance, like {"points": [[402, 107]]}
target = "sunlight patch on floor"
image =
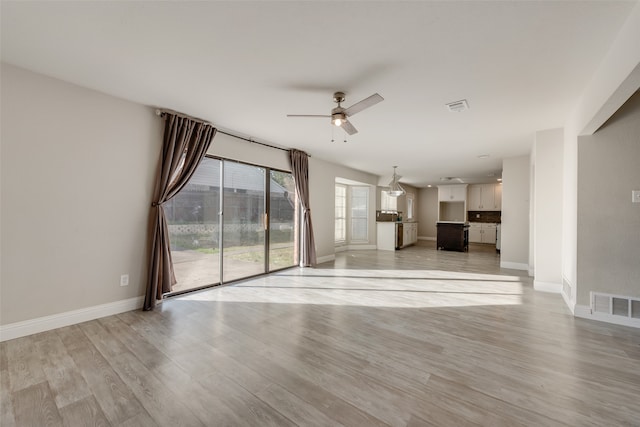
{"points": [[372, 288]]}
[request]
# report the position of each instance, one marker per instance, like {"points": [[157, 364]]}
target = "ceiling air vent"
{"points": [[458, 106]]}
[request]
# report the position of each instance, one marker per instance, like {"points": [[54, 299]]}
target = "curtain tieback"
{"points": [[155, 204]]}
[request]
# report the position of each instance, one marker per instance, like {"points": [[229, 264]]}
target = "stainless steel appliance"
{"points": [[399, 233]]}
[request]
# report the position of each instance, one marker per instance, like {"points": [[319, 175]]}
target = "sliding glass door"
{"points": [[194, 217], [283, 214], [243, 204], [257, 232]]}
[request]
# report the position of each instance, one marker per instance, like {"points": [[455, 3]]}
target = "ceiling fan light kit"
{"points": [[339, 115]]}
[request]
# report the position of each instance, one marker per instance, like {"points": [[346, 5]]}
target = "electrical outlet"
{"points": [[124, 280], [635, 196]]}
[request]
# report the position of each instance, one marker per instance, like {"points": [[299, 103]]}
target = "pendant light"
{"points": [[395, 189]]}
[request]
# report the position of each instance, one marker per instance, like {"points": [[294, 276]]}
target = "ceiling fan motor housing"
{"points": [[338, 97]]}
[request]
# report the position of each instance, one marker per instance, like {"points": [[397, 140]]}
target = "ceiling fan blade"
{"points": [[365, 103], [348, 127], [308, 115]]}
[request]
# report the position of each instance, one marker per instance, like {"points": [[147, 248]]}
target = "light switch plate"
{"points": [[635, 196]]}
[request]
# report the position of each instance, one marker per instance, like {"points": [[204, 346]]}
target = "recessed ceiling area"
{"points": [[521, 66]]}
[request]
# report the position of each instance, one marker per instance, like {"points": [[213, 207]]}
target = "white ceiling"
{"points": [[244, 65]]}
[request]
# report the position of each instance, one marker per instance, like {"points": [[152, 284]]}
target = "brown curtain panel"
{"points": [[300, 169], [185, 143]]}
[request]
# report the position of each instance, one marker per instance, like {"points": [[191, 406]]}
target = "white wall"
{"points": [[322, 179], [608, 256], [514, 252], [428, 199], [548, 209], [77, 176]]}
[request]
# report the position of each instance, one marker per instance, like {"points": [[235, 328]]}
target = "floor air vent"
{"points": [[616, 306]]}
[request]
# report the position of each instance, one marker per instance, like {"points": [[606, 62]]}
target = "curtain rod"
{"points": [[159, 112]]}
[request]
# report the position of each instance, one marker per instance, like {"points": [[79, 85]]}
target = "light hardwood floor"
{"points": [[418, 337]]}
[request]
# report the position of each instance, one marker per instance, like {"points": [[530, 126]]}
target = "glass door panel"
{"points": [[193, 221], [282, 221], [243, 252]]}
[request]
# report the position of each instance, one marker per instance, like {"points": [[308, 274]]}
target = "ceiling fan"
{"points": [[339, 115]]}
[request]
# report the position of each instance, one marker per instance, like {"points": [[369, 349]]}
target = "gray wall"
{"points": [[547, 209], [608, 250], [77, 177], [514, 252], [428, 200], [77, 174]]}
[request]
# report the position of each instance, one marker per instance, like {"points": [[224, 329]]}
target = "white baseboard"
{"points": [[514, 265], [555, 288], [46, 323], [362, 247], [426, 238], [532, 272], [584, 312], [570, 304], [322, 259]]}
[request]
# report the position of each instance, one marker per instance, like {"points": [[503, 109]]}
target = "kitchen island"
{"points": [[453, 236]]}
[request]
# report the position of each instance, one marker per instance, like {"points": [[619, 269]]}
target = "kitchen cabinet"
{"points": [[386, 236], [485, 197], [482, 233], [410, 233], [497, 192], [453, 236], [452, 193]]}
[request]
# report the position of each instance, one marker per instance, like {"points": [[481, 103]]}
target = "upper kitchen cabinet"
{"points": [[452, 193], [485, 197]]}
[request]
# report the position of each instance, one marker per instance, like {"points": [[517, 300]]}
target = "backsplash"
{"points": [[484, 216]]}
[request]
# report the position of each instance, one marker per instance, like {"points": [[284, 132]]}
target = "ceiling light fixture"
{"points": [[338, 119], [395, 189], [483, 156]]}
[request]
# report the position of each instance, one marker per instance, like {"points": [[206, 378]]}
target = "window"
{"points": [[359, 214], [409, 206], [341, 213], [388, 203]]}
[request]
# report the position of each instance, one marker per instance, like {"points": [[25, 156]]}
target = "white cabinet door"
{"points": [[486, 197], [452, 193], [474, 198], [489, 233], [497, 202], [475, 232]]}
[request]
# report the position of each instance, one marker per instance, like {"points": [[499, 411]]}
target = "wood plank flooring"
{"points": [[416, 337]]}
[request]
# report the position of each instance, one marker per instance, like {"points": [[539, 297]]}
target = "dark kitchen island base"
{"points": [[453, 236]]}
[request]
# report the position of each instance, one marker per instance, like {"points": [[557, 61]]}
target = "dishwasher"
{"points": [[399, 233]]}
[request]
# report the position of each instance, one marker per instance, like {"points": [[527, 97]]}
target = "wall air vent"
{"points": [[458, 106], [616, 306]]}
